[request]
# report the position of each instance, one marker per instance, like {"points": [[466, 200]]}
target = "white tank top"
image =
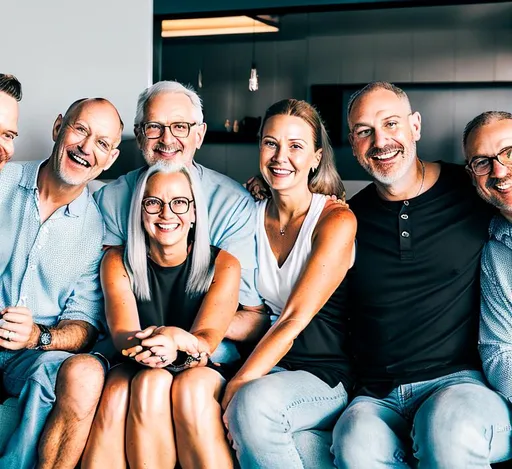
{"points": [[275, 283]]}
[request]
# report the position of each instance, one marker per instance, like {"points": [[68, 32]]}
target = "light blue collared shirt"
{"points": [[231, 216], [51, 267], [495, 342]]}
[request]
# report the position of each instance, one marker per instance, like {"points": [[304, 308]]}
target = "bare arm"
{"points": [[331, 257], [120, 304], [249, 324], [220, 302]]}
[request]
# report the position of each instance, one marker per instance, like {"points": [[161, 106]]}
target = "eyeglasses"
{"points": [[155, 206], [482, 165], [156, 130]]}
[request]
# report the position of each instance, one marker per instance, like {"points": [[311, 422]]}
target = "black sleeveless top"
{"points": [[321, 348], [170, 304]]}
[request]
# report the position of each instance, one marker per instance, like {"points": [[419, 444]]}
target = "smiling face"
{"points": [[489, 140], [383, 135], [287, 152], [166, 109], [85, 141], [167, 228], [8, 127]]}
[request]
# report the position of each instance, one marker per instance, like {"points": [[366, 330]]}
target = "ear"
{"points": [[471, 175], [415, 123], [318, 157], [139, 136], [112, 158], [57, 126], [200, 133]]}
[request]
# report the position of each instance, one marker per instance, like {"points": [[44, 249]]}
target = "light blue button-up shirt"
{"points": [[51, 267], [231, 216], [495, 342]]}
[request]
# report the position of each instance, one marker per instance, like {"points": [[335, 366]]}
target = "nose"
{"points": [[86, 145], [280, 154], [6, 149], [166, 212], [167, 137], [498, 170], [380, 138]]}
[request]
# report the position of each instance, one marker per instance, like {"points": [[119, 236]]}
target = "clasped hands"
{"points": [[159, 347]]}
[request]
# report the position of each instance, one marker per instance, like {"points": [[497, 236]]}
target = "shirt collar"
{"points": [[28, 180], [500, 228]]}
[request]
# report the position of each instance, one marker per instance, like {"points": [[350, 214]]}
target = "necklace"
{"points": [[422, 178]]}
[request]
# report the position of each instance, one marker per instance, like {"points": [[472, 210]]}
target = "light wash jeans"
{"points": [[270, 418], [31, 375], [453, 422]]}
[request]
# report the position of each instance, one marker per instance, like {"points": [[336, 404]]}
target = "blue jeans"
{"points": [[268, 419], [453, 422], [30, 375]]}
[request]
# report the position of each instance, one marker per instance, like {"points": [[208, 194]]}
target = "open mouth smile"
{"points": [[78, 159]]}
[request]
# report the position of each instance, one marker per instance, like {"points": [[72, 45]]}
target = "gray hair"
{"points": [[168, 87], [375, 85], [481, 120], [201, 272]]}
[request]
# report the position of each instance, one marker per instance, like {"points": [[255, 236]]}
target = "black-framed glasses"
{"points": [[156, 130], [155, 206], [482, 165]]}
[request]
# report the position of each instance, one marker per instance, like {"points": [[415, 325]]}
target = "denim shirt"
{"points": [[231, 217], [495, 342], [50, 267]]}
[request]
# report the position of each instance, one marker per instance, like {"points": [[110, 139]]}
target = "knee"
{"points": [[150, 392], [250, 415], [449, 426], [194, 396], [79, 384], [361, 438], [114, 400]]}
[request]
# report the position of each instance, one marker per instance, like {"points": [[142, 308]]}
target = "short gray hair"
{"points": [[201, 272], [481, 120], [168, 87], [375, 85]]}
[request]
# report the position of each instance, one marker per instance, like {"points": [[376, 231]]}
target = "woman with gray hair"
{"points": [[169, 301]]}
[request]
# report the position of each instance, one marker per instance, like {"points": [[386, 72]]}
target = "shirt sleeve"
{"points": [[495, 343], [114, 203], [86, 300], [240, 241]]}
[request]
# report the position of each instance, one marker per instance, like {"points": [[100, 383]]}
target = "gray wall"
{"points": [[64, 50], [287, 68]]}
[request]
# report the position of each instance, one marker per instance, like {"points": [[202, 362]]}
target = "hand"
{"points": [[258, 188], [18, 329], [232, 387], [335, 199]]}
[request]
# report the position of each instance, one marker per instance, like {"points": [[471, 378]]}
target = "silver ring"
{"points": [[9, 337], [163, 358]]}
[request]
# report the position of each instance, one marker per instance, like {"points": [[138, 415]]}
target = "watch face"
{"points": [[45, 338]]}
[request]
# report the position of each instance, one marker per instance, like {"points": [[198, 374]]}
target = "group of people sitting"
{"points": [[170, 319]]}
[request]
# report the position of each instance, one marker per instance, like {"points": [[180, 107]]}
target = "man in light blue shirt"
{"points": [[488, 149], [169, 126], [50, 297]]}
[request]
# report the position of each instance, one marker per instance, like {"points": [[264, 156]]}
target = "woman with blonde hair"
{"points": [[305, 246]]}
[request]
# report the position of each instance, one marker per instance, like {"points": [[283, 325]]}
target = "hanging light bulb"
{"points": [[253, 79]]}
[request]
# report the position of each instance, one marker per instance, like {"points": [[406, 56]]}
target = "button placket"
{"points": [[404, 230]]}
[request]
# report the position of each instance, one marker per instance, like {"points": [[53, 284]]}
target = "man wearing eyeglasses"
{"points": [[10, 96], [51, 304], [487, 143]]}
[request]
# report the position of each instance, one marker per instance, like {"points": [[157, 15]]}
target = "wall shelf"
{"points": [[213, 136]]}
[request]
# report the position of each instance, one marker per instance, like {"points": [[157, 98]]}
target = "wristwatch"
{"points": [[45, 337]]}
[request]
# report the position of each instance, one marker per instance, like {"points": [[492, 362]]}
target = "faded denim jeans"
{"points": [[275, 421], [451, 422]]}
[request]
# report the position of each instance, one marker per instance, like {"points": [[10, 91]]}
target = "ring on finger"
{"points": [[163, 358], [9, 335]]}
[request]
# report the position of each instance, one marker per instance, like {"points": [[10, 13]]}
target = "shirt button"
{"points": [[405, 234], [406, 203], [32, 267], [404, 216]]}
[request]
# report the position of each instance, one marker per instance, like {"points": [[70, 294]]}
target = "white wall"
{"points": [[63, 50]]}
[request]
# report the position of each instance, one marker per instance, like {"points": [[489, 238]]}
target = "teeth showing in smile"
{"points": [[167, 227], [78, 160], [387, 156], [280, 172], [503, 186]]}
